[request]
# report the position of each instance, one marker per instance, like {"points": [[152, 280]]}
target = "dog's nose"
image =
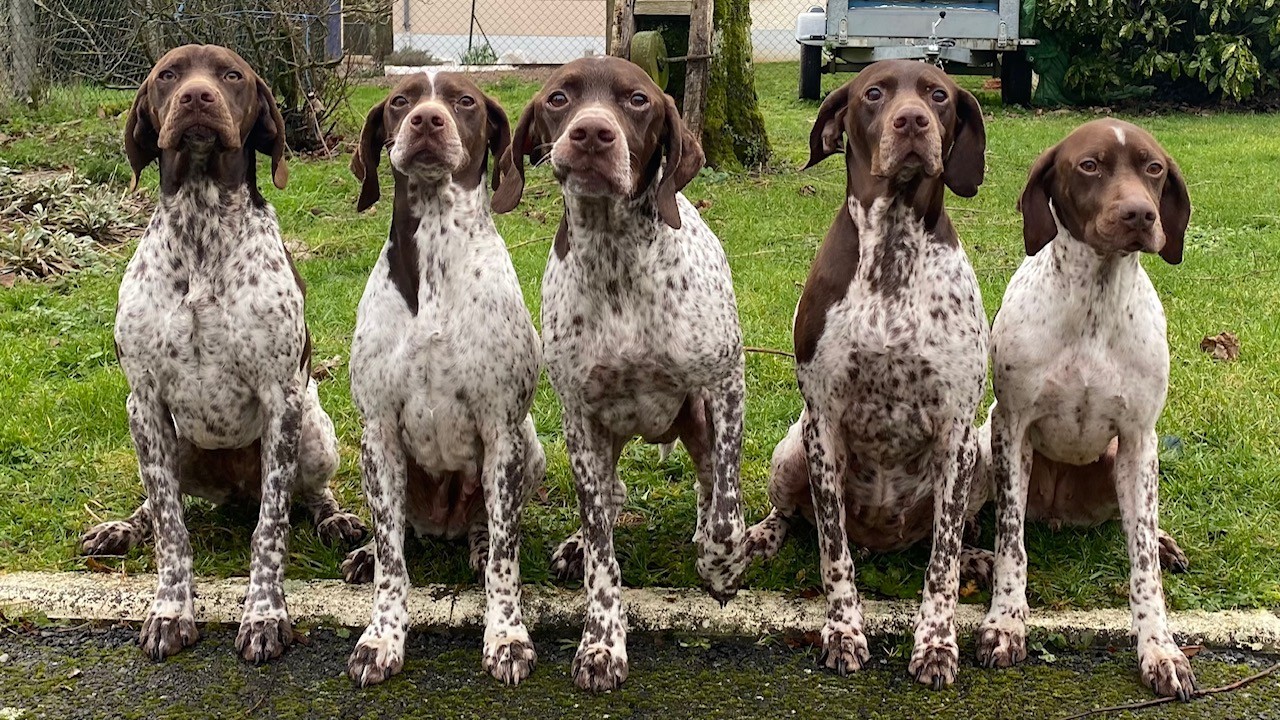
{"points": [[592, 136], [427, 119], [1137, 214], [200, 95], [911, 120]]}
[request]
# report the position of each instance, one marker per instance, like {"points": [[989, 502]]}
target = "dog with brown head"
{"points": [[202, 111]]}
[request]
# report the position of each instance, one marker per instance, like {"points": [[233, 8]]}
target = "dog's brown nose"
{"points": [[427, 119], [1137, 214], [911, 120], [201, 96], [592, 136]]}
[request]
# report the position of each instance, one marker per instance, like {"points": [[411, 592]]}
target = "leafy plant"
{"points": [[479, 55]]}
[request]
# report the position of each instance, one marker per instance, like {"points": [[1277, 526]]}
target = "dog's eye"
{"points": [[1155, 168], [233, 76], [939, 96], [167, 75], [558, 99], [466, 101], [639, 100], [399, 101], [874, 94], [1089, 165]]}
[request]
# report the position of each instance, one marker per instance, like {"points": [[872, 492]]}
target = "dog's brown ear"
{"points": [[141, 134], [827, 136], [523, 142], [684, 160], [499, 137], [1175, 214], [268, 136], [966, 164], [364, 163], [1038, 226]]}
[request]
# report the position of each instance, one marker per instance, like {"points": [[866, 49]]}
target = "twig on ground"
{"points": [[1161, 701], [528, 242], [769, 351]]}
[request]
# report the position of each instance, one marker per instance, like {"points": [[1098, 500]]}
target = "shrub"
{"points": [[1188, 50]]}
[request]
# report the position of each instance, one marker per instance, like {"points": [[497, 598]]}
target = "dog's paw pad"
{"points": [[341, 528], [374, 660], [569, 559], [116, 537], [358, 566], [597, 668], [263, 639], [843, 650], [510, 660], [935, 665], [165, 635], [1000, 646]]}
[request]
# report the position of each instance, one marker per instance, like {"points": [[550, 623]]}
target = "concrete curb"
{"points": [[83, 596]]}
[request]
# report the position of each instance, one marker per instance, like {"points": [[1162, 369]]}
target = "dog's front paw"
{"points": [[1002, 642], [721, 566], [510, 658], [165, 633], [263, 638], [116, 537], [935, 665], [1172, 558], [375, 659], [358, 565], [599, 667], [341, 528], [1166, 670], [569, 559], [844, 648], [765, 538]]}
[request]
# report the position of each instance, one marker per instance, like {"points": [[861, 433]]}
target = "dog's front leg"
{"points": [[721, 531], [1165, 669], [936, 656], [601, 661], [265, 631], [508, 652], [380, 652], [171, 623], [844, 647], [1002, 635]]}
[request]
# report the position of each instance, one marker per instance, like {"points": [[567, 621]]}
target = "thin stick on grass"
{"points": [[769, 351], [1161, 701], [528, 242]]}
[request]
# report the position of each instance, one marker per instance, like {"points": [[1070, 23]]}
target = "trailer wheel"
{"points": [[1015, 79], [810, 72]]}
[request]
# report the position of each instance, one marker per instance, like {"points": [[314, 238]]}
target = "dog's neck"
{"points": [[1098, 278], [433, 223], [208, 219], [892, 240], [230, 169], [609, 231]]}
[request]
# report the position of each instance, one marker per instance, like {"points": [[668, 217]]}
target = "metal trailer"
{"points": [[980, 37]]}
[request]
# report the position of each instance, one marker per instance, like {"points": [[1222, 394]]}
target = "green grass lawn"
{"points": [[66, 459]]}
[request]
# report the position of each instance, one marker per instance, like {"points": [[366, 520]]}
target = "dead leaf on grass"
{"points": [[991, 84], [323, 370], [1224, 346], [1191, 650], [808, 190], [703, 204], [969, 589], [630, 519], [97, 566]]}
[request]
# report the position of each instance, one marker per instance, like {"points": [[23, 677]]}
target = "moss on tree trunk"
{"points": [[733, 134]]}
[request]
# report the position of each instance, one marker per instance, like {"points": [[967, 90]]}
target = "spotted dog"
{"points": [[211, 337], [639, 323], [444, 364], [1081, 370], [891, 347]]}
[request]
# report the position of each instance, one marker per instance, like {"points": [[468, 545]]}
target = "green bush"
{"points": [[1186, 50]]}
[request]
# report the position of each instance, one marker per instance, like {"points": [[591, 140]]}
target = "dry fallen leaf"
{"points": [[7, 279], [969, 589], [1223, 346], [323, 370], [703, 204], [1191, 650], [630, 519], [991, 84], [808, 190], [95, 565], [74, 673]]}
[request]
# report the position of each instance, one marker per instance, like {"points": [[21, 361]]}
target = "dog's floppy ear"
{"points": [[1175, 214], [364, 163], [684, 160], [1038, 225], [827, 136], [267, 135], [966, 164], [511, 186], [141, 134], [499, 137]]}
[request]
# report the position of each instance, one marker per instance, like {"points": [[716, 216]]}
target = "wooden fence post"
{"points": [[697, 67]]}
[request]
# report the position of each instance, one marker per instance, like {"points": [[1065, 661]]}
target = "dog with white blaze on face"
{"points": [[444, 365], [639, 322], [211, 337]]}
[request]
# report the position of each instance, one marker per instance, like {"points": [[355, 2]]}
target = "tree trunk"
{"points": [[733, 134], [22, 43]]}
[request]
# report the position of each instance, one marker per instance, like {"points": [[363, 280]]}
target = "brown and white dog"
{"points": [[444, 365], [1081, 370], [891, 349], [639, 325], [211, 337]]}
